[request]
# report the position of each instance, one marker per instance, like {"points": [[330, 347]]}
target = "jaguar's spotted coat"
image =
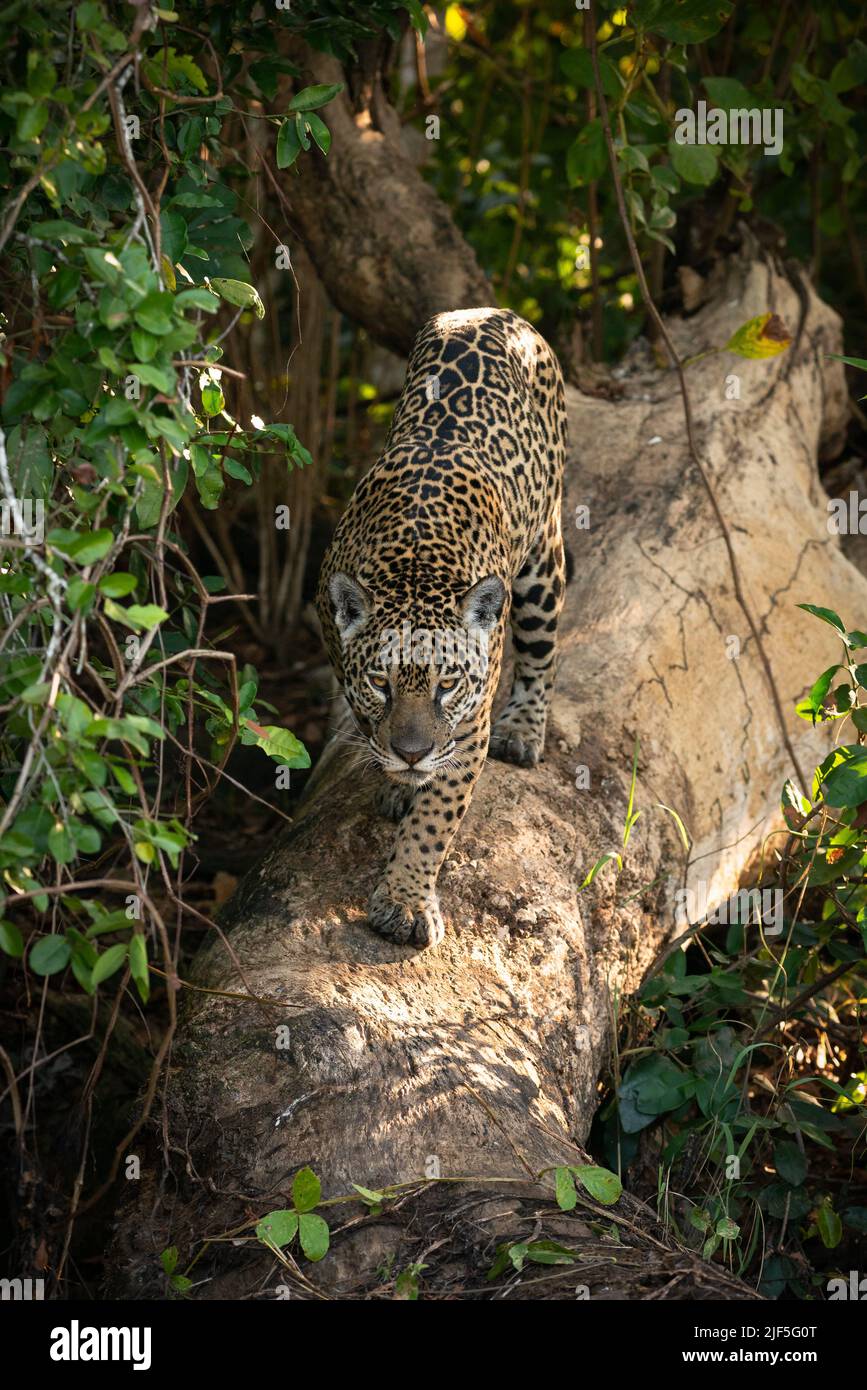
{"points": [[456, 526]]}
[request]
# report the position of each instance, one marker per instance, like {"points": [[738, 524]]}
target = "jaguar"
{"points": [[453, 534]]}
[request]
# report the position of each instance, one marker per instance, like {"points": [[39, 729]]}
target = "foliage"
{"points": [[522, 158], [713, 1073], [124, 229], [281, 1227]]}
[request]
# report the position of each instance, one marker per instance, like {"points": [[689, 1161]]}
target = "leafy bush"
{"points": [[752, 1141], [125, 232], [521, 155]]}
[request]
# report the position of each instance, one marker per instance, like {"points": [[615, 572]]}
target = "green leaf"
{"points": [[288, 144], [189, 136], [609, 858], [406, 1286], [311, 98], [79, 595], [76, 715], [213, 401], [689, 21], [109, 963], [35, 694], [694, 163], [633, 160], [137, 616], [49, 954], [827, 615], [91, 547], [174, 235], [605, 1186], [144, 344], [564, 1186], [145, 615], [846, 783], [587, 156], [154, 313], [181, 67], [790, 1163], [812, 707], [237, 470], [138, 966], [169, 429], [665, 178], [11, 940], [239, 293], [762, 336], [652, 1086], [118, 584], [852, 362], [60, 844], [727, 92], [314, 1236], [278, 1228], [123, 779], [549, 1252], [82, 960], [198, 298], [320, 132], [306, 1190], [169, 1259], [158, 377], [830, 1226], [577, 67], [278, 743], [371, 1199]]}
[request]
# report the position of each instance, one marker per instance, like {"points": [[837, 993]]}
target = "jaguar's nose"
{"points": [[410, 755]]}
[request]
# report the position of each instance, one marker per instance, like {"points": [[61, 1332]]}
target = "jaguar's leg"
{"points": [[404, 904], [518, 736]]}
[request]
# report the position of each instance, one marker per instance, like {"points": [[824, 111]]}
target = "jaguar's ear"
{"points": [[350, 605], [482, 605]]}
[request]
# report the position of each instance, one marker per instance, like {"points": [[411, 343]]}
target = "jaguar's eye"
{"points": [[379, 683], [448, 684]]}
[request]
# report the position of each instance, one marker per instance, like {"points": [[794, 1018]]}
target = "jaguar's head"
{"points": [[411, 686]]}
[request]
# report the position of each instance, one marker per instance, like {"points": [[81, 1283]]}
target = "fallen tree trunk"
{"points": [[376, 1064]]}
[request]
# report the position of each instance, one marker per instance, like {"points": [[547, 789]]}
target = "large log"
{"points": [[486, 1051]]}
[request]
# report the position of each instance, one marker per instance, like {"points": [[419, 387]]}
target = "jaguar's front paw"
{"points": [[519, 746], [393, 799], [419, 923]]}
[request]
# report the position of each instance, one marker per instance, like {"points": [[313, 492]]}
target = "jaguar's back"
{"points": [[483, 386]]}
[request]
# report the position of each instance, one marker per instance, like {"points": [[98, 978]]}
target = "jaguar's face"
{"points": [[411, 687]]}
